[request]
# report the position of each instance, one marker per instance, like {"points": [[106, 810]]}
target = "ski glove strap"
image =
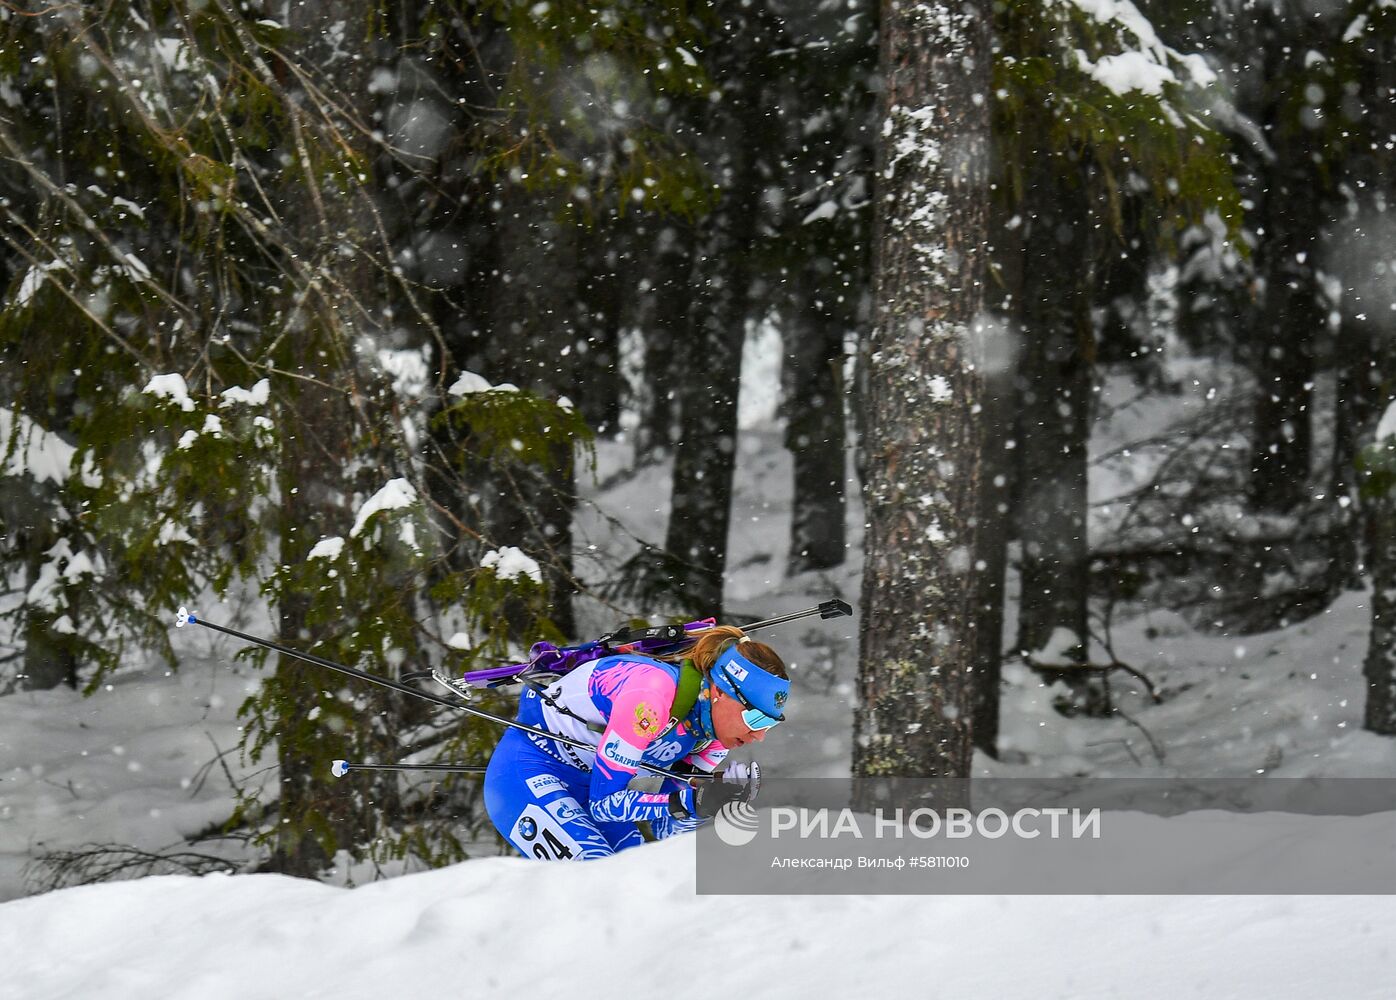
{"points": [[738, 783], [744, 774]]}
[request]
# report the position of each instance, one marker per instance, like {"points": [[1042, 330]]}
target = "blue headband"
{"points": [[739, 678]]}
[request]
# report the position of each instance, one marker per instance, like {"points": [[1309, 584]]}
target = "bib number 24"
{"points": [[536, 832]]}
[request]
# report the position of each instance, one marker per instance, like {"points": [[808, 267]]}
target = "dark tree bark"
{"points": [[1362, 391], [1379, 668], [1358, 398], [533, 342], [601, 302], [815, 425], [705, 455], [1291, 319], [1055, 393], [915, 681], [998, 474], [313, 449], [709, 363], [317, 446], [829, 110], [1369, 383], [993, 526], [666, 313]]}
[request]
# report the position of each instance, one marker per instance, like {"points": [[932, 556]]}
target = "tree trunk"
{"points": [[533, 341], [1379, 669], [915, 662], [815, 427], [709, 368], [665, 316], [1282, 443], [998, 424], [993, 525], [705, 455], [1372, 385], [601, 302], [1291, 318], [1357, 403], [316, 816], [312, 449], [1055, 392]]}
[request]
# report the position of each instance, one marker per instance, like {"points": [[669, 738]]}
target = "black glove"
{"points": [[739, 784], [745, 774]]}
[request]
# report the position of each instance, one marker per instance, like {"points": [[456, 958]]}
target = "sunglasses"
{"points": [[753, 717], [756, 720]]}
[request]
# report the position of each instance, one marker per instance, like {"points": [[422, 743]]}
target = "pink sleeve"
{"points": [[640, 705]]}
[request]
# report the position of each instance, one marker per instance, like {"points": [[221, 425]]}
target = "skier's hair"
{"points": [[713, 641]]}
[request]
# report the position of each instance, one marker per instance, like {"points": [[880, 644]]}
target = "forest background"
{"points": [[331, 307]]}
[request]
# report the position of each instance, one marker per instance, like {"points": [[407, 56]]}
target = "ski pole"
{"points": [[185, 617], [342, 767]]}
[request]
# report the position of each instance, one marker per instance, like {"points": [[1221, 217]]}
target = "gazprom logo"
{"points": [[737, 670], [621, 752], [735, 824]]}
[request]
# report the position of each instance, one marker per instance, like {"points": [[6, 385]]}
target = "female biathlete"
{"points": [[552, 800]]}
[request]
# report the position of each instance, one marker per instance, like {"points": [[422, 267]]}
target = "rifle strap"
{"points": [[690, 687]]}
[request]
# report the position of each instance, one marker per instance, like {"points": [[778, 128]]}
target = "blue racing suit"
{"points": [[552, 800]]}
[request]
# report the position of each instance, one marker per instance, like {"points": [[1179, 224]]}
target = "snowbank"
{"points": [[509, 928]]}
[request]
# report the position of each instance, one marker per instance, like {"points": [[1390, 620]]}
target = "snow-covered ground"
{"points": [[505, 927], [142, 762]]}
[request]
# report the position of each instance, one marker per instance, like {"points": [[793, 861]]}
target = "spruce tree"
{"points": [[195, 216], [931, 196]]}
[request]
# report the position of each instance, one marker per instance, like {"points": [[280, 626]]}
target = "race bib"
{"points": [[539, 833]]}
